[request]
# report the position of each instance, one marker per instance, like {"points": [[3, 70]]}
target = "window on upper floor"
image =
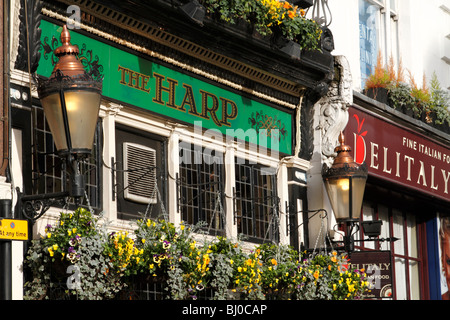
{"points": [[378, 26]]}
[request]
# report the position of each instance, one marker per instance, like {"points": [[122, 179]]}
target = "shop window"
{"points": [[48, 169], [406, 253], [256, 202], [140, 174], [201, 180]]}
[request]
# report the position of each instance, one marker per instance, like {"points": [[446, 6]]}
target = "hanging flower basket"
{"points": [[115, 265]]}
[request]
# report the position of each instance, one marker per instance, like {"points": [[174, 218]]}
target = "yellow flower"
{"points": [[274, 262], [49, 235], [316, 274], [231, 261], [55, 247]]}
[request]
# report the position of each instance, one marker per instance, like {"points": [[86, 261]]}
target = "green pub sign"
{"points": [[143, 83]]}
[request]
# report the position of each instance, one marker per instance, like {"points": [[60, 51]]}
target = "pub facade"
{"points": [[203, 121]]}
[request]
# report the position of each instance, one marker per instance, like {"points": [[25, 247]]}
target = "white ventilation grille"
{"points": [[139, 173]]}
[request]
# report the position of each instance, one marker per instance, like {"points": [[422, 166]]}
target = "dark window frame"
{"points": [[256, 207], [200, 184], [128, 209]]}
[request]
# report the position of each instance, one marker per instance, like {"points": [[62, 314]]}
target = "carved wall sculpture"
{"points": [[334, 109]]}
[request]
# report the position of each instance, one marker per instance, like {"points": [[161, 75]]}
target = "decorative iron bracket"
{"points": [[33, 207]]}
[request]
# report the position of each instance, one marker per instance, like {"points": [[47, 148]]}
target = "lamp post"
{"points": [[70, 98], [345, 182]]}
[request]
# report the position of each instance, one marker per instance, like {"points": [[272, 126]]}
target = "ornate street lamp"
{"points": [[70, 98], [345, 182], [71, 102]]}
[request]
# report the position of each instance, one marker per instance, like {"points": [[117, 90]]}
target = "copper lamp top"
{"points": [[67, 53], [343, 152]]}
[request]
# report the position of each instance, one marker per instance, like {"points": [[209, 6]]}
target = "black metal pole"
{"points": [[349, 242], [65, 121], [5, 255]]}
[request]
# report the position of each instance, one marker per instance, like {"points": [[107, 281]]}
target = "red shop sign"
{"points": [[399, 155]]}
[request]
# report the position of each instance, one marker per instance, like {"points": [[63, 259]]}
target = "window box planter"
{"points": [[379, 94]]}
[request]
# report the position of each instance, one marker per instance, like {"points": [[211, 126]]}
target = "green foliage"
{"points": [[267, 17], [76, 241], [432, 104], [400, 96], [98, 278], [439, 102]]}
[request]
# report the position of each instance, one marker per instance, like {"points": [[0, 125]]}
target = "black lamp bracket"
{"points": [[33, 207]]}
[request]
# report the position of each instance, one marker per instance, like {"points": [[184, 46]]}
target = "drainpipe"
{"points": [[6, 96], [5, 204]]}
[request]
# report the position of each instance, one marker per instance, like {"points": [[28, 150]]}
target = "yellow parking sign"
{"points": [[13, 229]]}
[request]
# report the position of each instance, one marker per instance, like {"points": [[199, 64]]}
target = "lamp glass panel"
{"points": [[359, 184], [338, 192], [52, 109], [82, 112]]}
